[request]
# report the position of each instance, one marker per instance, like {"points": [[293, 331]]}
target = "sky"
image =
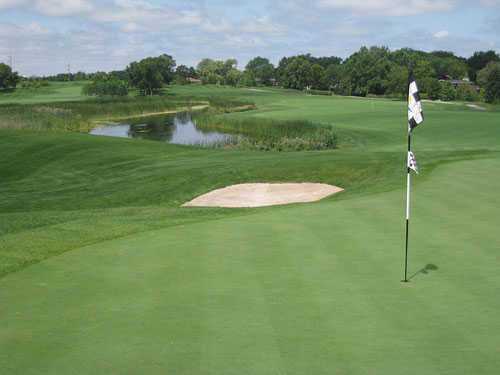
{"points": [[45, 36]]}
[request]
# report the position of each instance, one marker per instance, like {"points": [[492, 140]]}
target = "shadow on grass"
{"points": [[425, 270]]}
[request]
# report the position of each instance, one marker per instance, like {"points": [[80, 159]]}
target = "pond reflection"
{"points": [[177, 128]]}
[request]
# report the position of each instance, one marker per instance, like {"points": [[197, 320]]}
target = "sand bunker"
{"points": [[261, 194], [475, 106]]}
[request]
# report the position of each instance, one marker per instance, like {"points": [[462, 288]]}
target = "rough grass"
{"points": [[268, 134], [79, 116]]}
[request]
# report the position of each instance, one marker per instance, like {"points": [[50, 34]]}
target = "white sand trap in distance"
{"points": [[263, 194]]}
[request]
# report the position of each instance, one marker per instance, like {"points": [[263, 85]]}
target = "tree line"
{"points": [[368, 71]]}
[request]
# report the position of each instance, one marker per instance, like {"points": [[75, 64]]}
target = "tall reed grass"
{"points": [[78, 116], [269, 134]]}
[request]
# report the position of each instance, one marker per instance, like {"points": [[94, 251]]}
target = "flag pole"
{"points": [[407, 207], [415, 117]]}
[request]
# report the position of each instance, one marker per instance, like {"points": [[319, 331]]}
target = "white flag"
{"points": [[415, 114], [412, 163]]}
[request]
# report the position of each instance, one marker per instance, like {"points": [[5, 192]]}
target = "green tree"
{"points": [[7, 77], [345, 86], [106, 87], [151, 73], [333, 76], [398, 81], [443, 54], [248, 79], [423, 69], [447, 92], [489, 80], [80, 76], [408, 58], [262, 70], [229, 64], [467, 92], [430, 86], [183, 71], [118, 74], [318, 81], [478, 61], [449, 67], [217, 71], [209, 77], [233, 77], [203, 64], [368, 70], [296, 74]]}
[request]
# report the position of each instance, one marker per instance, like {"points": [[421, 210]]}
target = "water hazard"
{"points": [[177, 128]]}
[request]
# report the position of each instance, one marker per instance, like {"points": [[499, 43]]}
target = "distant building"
{"points": [[193, 80]]}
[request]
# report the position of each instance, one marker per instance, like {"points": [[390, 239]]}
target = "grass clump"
{"points": [[269, 134], [229, 104]]}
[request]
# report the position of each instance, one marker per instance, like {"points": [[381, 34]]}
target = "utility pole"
{"points": [[69, 73]]}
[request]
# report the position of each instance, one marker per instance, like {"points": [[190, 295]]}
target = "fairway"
{"points": [[104, 273], [56, 92]]}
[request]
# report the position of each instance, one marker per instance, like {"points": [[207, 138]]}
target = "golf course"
{"points": [[103, 272]]}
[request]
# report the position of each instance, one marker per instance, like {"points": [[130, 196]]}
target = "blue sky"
{"points": [[44, 36]]}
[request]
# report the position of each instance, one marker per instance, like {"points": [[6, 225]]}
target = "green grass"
{"points": [[55, 92], [149, 287]]}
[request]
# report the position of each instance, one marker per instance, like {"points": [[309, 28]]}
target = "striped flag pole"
{"points": [[415, 117]]}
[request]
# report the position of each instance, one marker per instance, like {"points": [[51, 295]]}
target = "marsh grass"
{"points": [[269, 134], [79, 116], [229, 104]]}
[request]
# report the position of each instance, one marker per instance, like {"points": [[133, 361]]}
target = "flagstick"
{"points": [[407, 208]]}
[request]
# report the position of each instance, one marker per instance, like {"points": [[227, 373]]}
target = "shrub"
{"points": [[447, 92], [467, 92], [34, 84], [113, 87], [317, 92]]}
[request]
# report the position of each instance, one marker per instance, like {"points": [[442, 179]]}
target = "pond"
{"points": [[177, 128]]}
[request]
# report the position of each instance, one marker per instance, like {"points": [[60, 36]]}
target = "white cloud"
{"points": [[215, 25], [356, 29], [390, 7], [28, 30], [8, 4], [238, 42], [442, 34], [61, 8], [135, 4], [263, 25], [494, 3], [132, 15], [50, 7]]}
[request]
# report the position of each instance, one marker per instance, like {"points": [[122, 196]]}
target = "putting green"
{"points": [[305, 289]]}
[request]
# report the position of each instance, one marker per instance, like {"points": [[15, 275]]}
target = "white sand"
{"points": [[264, 194]]}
